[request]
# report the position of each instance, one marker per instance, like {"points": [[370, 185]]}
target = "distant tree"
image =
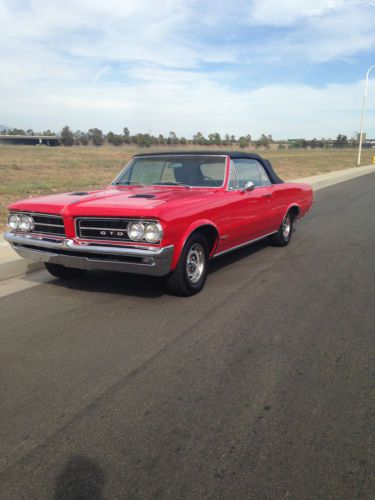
{"points": [[263, 141], [143, 140], [244, 142], [126, 136], [66, 136], [353, 141], [117, 140], [84, 139], [341, 141], [199, 138], [96, 136], [183, 140], [77, 136], [47, 132], [173, 139], [226, 140], [30, 131], [161, 139], [110, 137], [299, 143], [214, 139], [16, 131]]}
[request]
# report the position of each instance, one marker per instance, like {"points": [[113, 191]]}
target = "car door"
{"points": [[248, 211]]}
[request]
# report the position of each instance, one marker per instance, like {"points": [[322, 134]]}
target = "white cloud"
{"points": [[185, 104], [167, 64], [290, 12], [318, 30]]}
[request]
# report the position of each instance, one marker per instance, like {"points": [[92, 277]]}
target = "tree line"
{"points": [[96, 137]]}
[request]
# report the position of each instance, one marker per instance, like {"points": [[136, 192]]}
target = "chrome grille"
{"points": [[103, 228], [48, 224]]}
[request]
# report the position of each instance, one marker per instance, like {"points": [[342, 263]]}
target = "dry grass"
{"points": [[28, 171]]}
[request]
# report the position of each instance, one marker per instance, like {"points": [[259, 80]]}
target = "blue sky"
{"points": [[292, 69]]}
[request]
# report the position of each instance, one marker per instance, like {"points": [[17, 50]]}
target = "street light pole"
{"points": [[363, 114]]}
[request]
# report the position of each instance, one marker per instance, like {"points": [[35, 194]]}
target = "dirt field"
{"points": [[28, 170]]}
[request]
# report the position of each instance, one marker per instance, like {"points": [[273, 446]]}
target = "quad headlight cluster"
{"points": [[20, 222], [152, 232]]}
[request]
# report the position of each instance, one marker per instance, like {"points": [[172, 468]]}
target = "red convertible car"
{"points": [[165, 214]]}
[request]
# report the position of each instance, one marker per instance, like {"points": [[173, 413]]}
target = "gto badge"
{"points": [[119, 234]]}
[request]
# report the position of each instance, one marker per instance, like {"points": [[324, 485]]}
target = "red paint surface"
{"points": [[236, 215]]}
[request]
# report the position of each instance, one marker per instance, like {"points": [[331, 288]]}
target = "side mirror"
{"points": [[249, 186]]}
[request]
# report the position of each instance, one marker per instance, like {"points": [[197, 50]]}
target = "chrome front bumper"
{"points": [[69, 253]]}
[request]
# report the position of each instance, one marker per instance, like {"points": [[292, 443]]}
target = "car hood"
{"points": [[113, 201]]}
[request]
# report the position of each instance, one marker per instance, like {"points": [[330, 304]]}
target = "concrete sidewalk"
{"points": [[11, 265], [325, 180]]}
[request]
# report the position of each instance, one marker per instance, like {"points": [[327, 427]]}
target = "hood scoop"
{"points": [[79, 193], [147, 196]]}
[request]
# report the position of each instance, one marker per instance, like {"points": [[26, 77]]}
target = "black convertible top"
{"points": [[275, 179]]}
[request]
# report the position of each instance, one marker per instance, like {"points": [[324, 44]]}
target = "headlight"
{"points": [[13, 222], [26, 223], [153, 232], [135, 231]]}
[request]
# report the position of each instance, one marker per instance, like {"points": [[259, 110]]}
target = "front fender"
{"points": [[179, 245]]}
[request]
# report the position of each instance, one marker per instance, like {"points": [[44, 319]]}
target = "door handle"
{"points": [[268, 195]]}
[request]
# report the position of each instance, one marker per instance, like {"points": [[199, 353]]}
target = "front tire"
{"points": [[62, 272], [284, 234], [191, 272]]}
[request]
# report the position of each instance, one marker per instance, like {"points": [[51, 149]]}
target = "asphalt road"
{"points": [[260, 387]]}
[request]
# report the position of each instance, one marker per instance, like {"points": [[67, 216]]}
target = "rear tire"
{"points": [[284, 234], [62, 272], [191, 272]]}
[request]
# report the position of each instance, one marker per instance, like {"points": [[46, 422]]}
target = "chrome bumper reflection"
{"points": [[139, 260]]}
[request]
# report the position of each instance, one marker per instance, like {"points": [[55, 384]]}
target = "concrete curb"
{"points": [[18, 267], [12, 266], [325, 180]]}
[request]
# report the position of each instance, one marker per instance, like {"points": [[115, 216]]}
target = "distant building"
{"points": [[363, 136], [370, 143], [29, 140]]}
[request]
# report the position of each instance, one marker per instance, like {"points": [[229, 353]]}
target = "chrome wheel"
{"points": [[195, 263], [286, 227]]}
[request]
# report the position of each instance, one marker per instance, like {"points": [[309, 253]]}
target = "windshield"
{"points": [[194, 171]]}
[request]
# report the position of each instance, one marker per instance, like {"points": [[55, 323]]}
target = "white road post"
{"points": [[363, 114]]}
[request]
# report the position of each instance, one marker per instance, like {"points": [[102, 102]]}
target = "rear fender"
{"points": [[294, 207]]}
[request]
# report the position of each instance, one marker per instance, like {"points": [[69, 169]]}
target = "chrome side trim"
{"points": [[44, 224], [152, 155], [243, 245], [103, 228]]}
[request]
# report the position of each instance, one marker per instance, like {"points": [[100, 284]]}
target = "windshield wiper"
{"points": [[171, 184], [129, 183]]}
